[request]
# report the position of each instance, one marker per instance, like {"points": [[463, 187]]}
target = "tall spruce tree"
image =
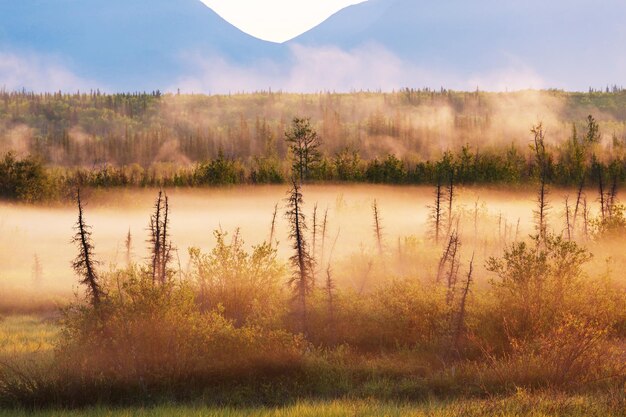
{"points": [[85, 264], [301, 261]]}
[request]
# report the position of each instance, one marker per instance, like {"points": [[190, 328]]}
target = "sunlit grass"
{"points": [[26, 335], [521, 404]]}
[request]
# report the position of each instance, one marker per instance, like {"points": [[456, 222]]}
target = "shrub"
{"points": [[23, 179], [155, 339], [537, 285], [247, 288]]}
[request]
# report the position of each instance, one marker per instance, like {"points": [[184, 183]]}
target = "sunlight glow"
{"points": [[277, 20]]}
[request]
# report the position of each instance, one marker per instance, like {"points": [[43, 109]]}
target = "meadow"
{"points": [[383, 335], [463, 274]]}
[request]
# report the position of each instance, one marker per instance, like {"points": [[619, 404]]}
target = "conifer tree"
{"points": [[85, 264], [304, 145], [301, 261]]}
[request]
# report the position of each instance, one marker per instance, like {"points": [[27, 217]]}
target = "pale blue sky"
{"points": [[277, 20]]}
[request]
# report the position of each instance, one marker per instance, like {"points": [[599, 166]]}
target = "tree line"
{"points": [[575, 163]]}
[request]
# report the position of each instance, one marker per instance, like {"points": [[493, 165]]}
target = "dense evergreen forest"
{"points": [[51, 142]]}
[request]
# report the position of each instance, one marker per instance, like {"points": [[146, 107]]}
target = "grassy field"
{"points": [[525, 326], [26, 334], [521, 404], [32, 337]]}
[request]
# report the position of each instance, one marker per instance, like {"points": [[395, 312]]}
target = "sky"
{"points": [[277, 20]]}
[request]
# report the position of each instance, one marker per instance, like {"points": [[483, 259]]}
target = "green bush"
{"points": [[246, 288], [23, 179]]}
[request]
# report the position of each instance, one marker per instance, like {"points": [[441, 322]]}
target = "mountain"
{"points": [[573, 44], [130, 45], [125, 44]]}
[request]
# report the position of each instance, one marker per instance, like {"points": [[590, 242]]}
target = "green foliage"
{"points": [[390, 171], [304, 147], [347, 164], [537, 285], [267, 171], [612, 226], [23, 179], [245, 287], [220, 171]]}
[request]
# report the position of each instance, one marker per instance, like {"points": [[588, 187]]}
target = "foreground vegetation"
{"points": [[517, 405], [241, 328]]}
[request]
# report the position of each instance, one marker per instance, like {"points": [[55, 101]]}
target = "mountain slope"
{"points": [[575, 43], [125, 44]]}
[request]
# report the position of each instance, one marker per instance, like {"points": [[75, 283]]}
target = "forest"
{"points": [[50, 143]]}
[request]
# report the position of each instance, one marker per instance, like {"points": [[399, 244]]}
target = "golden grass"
{"points": [[521, 404], [26, 335]]}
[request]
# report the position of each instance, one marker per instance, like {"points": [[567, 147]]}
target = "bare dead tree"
{"points": [[160, 246], [155, 237], [314, 233], [330, 289], [579, 195], [585, 218], [85, 264], [612, 196], [166, 245], [541, 156], [324, 228], [568, 222], [444, 259], [301, 261], [273, 227], [460, 322], [377, 227], [449, 265], [601, 191], [542, 211], [436, 211], [37, 272], [453, 268], [450, 199], [500, 227], [179, 265], [128, 245], [517, 230]]}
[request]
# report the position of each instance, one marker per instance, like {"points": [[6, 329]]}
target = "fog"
{"points": [[46, 232]]}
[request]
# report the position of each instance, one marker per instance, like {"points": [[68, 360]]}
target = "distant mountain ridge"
{"points": [[129, 45], [579, 41], [125, 44]]}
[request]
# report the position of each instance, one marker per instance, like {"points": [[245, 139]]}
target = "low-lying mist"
{"points": [[36, 249]]}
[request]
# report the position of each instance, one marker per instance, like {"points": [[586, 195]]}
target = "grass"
{"points": [[31, 338], [26, 334], [521, 404]]}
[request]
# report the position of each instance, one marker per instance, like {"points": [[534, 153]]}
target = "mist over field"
{"points": [[489, 219]]}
